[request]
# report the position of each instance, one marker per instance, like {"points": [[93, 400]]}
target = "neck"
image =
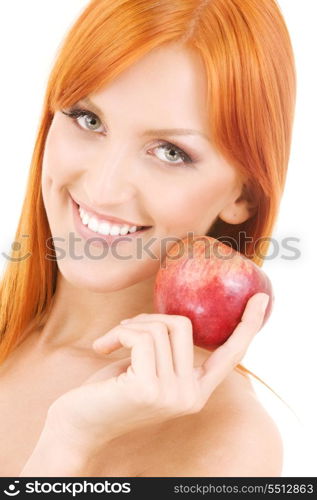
{"points": [[78, 316]]}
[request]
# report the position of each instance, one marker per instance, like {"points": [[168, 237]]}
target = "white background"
{"points": [[284, 353]]}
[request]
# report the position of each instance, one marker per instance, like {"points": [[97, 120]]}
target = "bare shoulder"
{"points": [[232, 436]]}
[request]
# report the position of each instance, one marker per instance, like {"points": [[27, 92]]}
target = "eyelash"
{"points": [[75, 113]]}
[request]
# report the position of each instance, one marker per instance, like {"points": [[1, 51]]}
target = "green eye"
{"points": [[170, 153], [173, 154], [91, 121]]}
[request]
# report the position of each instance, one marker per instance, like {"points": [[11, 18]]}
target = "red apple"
{"points": [[210, 283]]}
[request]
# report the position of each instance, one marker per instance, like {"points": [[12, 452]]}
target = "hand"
{"points": [[157, 383]]}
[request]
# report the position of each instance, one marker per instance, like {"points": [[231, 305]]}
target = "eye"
{"points": [[172, 154], [89, 120], [169, 153]]}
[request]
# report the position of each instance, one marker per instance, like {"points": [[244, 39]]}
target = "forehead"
{"points": [[169, 80]]}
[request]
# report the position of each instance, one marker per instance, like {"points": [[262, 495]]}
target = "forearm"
{"points": [[51, 457]]}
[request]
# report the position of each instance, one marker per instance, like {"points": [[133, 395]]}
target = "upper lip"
{"points": [[106, 217]]}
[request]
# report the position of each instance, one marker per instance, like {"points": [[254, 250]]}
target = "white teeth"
{"points": [[93, 224], [124, 230], [114, 230], [104, 227], [85, 219]]}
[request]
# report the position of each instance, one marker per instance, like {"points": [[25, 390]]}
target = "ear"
{"points": [[240, 209]]}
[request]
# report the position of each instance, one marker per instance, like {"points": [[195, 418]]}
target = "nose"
{"points": [[111, 180]]}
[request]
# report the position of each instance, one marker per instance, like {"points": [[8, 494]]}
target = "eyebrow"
{"points": [[151, 132]]}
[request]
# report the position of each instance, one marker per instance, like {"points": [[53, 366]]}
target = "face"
{"points": [[116, 161]]}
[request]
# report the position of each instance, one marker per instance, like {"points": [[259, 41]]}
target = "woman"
{"points": [[99, 397]]}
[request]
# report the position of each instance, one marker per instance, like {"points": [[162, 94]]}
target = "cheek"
{"points": [[194, 205], [62, 155]]}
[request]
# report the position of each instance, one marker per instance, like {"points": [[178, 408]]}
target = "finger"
{"points": [[227, 356], [181, 339], [111, 370], [108, 342], [143, 359], [164, 358], [163, 349]]}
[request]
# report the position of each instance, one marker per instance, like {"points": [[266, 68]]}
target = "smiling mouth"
{"points": [[103, 227]]}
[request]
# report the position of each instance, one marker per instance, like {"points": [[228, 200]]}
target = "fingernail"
{"points": [[265, 302]]}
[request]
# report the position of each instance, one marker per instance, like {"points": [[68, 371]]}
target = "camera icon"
{"points": [[13, 491]]}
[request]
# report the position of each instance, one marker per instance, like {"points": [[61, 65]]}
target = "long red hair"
{"points": [[247, 53]]}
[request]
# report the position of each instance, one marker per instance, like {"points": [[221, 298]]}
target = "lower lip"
{"points": [[97, 238]]}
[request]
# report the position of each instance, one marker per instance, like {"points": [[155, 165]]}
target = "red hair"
{"points": [[248, 58]]}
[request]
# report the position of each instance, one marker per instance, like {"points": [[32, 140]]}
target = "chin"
{"points": [[90, 277]]}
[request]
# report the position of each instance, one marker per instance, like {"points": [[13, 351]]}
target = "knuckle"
{"points": [[184, 321], [145, 340], [159, 327], [141, 315]]}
